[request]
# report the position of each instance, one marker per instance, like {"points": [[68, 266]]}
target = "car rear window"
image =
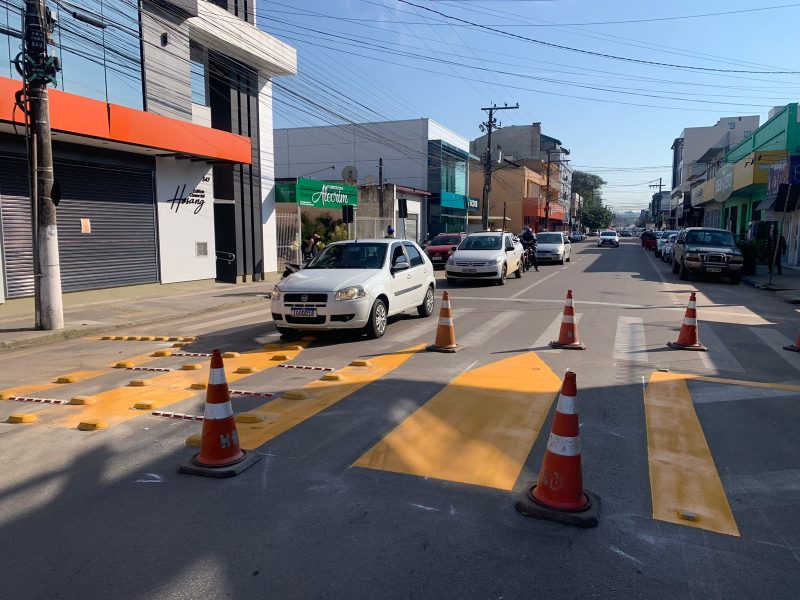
{"points": [[481, 242], [446, 240], [608, 234], [710, 238], [549, 238]]}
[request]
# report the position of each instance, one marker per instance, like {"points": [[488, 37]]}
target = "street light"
{"points": [[560, 150]]}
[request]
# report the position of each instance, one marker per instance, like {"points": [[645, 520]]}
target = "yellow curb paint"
{"points": [[114, 406], [6, 396], [140, 383], [230, 355], [249, 417], [124, 365], [174, 338], [755, 384], [360, 363], [683, 478], [67, 379], [92, 425], [198, 385], [193, 440], [478, 430], [83, 401], [107, 337], [118, 337], [245, 370], [22, 418], [188, 339], [283, 413], [191, 367], [162, 353]]}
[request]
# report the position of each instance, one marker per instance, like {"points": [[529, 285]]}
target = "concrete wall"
{"points": [[166, 69], [437, 131], [520, 141], [267, 173], [181, 226]]}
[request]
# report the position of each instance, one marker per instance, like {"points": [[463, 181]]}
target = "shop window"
{"points": [[198, 74]]}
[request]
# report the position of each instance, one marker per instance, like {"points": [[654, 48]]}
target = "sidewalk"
{"points": [[786, 285], [98, 311]]}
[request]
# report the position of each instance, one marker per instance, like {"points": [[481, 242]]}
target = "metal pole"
{"points": [[487, 173], [547, 196], [778, 234]]}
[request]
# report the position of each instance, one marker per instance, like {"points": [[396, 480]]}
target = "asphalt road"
{"points": [[398, 480]]}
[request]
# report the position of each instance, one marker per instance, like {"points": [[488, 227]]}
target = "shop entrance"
{"points": [[225, 240]]}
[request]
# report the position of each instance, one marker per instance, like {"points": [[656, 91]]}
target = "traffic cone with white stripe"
{"points": [[688, 339], [558, 494], [796, 346], [445, 331], [568, 335], [220, 454]]}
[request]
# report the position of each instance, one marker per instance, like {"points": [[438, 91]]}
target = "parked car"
{"points": [[486, 255], [553, 246], [648, 240], [355, 285], [666, 250], [661, 241], [608, 238], [709, 251], [594, 232], [625, 233], [442, 246], [576, 236]]}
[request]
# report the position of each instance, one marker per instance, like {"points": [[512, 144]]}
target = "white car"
{"points": [[553, 246], [609, 237], [666, 251], [485, 255], [661, 241], [355, 285]]}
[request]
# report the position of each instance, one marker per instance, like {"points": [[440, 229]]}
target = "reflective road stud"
{"points": [[220, 454]]}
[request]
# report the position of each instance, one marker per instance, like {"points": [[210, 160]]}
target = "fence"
{"points": [[288, 238]]}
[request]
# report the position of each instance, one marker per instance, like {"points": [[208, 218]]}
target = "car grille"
{"points": [[319, 320], [468, 275], [470, 264], [715, 258], [313, 298]]}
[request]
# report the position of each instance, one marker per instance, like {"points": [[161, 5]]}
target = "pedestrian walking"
{"points": [[310, 247], [775, 242]]}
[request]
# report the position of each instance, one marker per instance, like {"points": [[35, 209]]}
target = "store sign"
{"points": [[785, 171], [697, 195], [451, 200], [472, 204], [196, 198], [723, 186], [317, 194]]}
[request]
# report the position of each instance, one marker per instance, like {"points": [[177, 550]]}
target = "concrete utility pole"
{"points": [[38, 69], [488, 126], [380, 189], [657, 209]]}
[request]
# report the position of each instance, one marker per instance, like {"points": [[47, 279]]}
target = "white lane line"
{"points": [[551, 333], [209, 325], [776, 341], [561, 302], [718, 357], [490, 328], [542, 280], [630, 344], [424, 327]]}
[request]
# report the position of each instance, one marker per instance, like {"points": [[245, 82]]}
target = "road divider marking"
{"points": [[490, 328], [630, 344], [424, 327], [683, 476], [295, 406], [776, 341], [756, 384], [478, 430]]}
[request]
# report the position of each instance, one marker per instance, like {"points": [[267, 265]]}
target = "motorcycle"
{"points": [[528, 256]]}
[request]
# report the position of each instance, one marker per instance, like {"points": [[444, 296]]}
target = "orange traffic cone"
{"points": [[796, 346], [445, 332], [568, 336], [220, 454], [688, 339], [558, 494]]}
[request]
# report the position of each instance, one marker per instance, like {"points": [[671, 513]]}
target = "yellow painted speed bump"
{"points": [[139, 383], [67, 379], [188, 339], [280, 357], [191, 367], [193, 440], [230, 355], [360, 363], [174, 338], [92, 425], [6, 396], [332, 377], [162, 353], [107, 337], [294, 348], [245, 370], [249, 418], [146, 405], [119, 337], [22, 418], [199, 385], [295, 395], [161, 338], [179, 344], [82, 401], [147, 338], [132, 338], [125, 364]]}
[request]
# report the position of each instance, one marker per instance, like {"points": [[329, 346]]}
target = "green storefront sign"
{"points": [[317, 194]]}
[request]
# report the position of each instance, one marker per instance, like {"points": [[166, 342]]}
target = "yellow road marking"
{"points": [[282, 414], [756, 384], [116, 405], [683, 477], [479, 429]]}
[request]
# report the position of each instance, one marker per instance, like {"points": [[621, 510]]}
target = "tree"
{"points": [[597, 216], [588, 185]]}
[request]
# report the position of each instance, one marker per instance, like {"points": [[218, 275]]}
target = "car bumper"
{"points": [[493, 272], [345, 314], [438, 262], [549, 257], [713, 269]]}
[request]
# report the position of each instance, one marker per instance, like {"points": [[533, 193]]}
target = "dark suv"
{"points": [[707, 250]]}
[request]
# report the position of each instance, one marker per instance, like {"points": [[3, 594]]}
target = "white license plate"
{"points": [[470, 270], [304, 312], [713, 269], [436, 258]]}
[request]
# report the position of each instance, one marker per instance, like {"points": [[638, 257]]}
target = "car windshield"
{"points": [[481, 242], [608, 234], [710, 238], [353, 255], [548, 238], [445, 240]]}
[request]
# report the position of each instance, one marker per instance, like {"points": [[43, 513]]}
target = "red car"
{"points": [[442, 246], [649, 240]]}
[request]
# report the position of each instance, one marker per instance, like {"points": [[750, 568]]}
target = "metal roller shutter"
{"points": [[122, 246]]}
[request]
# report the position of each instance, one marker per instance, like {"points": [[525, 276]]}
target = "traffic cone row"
{"points": [[689, 338]]}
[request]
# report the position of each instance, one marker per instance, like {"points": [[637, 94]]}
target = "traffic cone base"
{"points": [[588, 516], [445, 332], [792, 348], [573, 346], [698, 346], [193, 467]]}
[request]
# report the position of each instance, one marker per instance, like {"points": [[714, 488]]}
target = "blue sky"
{"points": [[618, 117]]}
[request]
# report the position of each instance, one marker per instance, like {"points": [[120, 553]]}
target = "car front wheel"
{"points": [[377, 320], [426, 308], [683, 273], [503, 274]]}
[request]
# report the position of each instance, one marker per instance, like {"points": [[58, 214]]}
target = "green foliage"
{"points": [[339, 233], [588, 185], [597, 216], [325, 226]]}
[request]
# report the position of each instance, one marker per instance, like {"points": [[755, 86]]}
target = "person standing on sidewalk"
{"points": [[775, 241]]}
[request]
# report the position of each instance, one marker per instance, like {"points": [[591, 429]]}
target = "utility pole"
{"points": [[657, 204], [490, 124], [380, 188], [38, 69]]}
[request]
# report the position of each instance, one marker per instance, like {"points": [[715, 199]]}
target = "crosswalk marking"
{"points": [[683, 477], [425, 326], [478, 430], [490, 328], [541, 344], [282, 414], [630, 344], [718, 358], [776, 341]]}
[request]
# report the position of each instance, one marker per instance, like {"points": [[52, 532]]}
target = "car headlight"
{"points": [[692, 256], [276, 293], [351, 293], [494, 261], [737, 258], [451, 262]]}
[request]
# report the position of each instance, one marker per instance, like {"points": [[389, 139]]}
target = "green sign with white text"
{"points": [[317, 194]]}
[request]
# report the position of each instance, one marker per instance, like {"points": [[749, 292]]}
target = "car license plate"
{"points": [[713, 269], [304, 312], [470, 270], [436, 258]]}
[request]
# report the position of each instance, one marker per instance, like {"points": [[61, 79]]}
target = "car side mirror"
{"points": [[400, 264], [454, 248]]}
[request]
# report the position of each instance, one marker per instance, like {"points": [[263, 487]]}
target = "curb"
{"points": [[67, 334]]}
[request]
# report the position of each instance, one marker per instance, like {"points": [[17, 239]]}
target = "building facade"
{"points": [[162, 139], [517, 193]]}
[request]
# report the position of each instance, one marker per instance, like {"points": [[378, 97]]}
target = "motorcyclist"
{"points": [[528, 239]]}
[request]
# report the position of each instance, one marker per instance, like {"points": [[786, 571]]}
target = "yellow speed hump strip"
{"points": [[478, 430], [684, 482], [295, 406]]}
